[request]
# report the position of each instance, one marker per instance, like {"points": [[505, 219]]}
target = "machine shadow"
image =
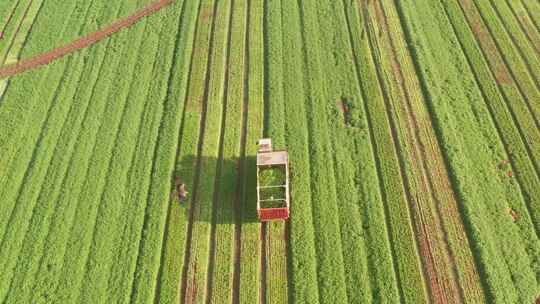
{"points": [[217, 190]]}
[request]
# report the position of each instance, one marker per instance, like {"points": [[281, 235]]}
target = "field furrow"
{"points": [[390, 169]]}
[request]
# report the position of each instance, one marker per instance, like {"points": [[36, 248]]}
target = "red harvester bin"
{"points": [[273, 214]]}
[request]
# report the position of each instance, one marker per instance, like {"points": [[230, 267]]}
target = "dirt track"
{"points": [[81, 43]]}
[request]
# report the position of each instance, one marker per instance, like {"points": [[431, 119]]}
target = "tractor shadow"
{"points": [[220, 191]]}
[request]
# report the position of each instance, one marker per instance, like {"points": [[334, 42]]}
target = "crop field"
{"points": [[412, 127]]}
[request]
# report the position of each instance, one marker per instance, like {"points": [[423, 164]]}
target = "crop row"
{"points": [[456, 102], [14, 39], [513, 120], [524, 73], [503, 12], [290, 104], [174, 240], [446, 239], [273, 234], [205, 188], [227, 199], [382, 278], [247, 233], [43, 127], [390, 169]]}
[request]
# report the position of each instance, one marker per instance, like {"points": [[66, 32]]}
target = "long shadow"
{"points": [[225, 190]]}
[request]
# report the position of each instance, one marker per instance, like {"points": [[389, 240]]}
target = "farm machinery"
{"points": [[272, 182]]}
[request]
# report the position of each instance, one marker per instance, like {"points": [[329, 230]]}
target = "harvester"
{"points": [[272, 182]]}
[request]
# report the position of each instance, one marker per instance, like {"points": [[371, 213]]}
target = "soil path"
{"points": [[81, 43]]}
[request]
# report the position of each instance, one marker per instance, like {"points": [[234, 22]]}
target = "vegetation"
{"points": [[412, 129]]}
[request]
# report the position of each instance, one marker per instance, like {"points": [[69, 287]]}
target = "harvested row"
{"points": [[472, 156], [220, 275], [276, 263], [197, 267], [274, 278], [246, 279], [161, 154], [190, 157]]}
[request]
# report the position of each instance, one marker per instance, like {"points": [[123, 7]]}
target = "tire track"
{"points": [[500, 71], [371, 264], [528, 82], [532, 156], [48, 57], [363, 13], [448, 292]]}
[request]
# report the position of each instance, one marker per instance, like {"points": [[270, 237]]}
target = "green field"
{"points": [[412, 128]]}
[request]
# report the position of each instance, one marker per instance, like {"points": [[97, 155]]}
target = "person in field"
{"points": [[180, 189], [182, 193]]}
